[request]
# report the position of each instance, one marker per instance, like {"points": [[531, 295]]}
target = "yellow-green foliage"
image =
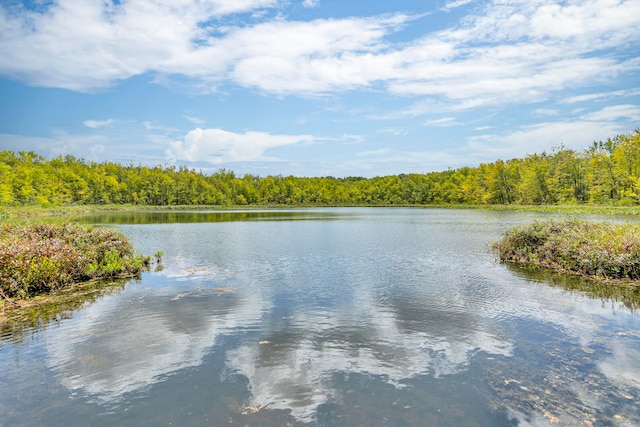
{"points": [[35, 259], [605, 250], [605, 173]]}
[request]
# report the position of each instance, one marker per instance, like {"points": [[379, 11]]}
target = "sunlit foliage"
{"points": [[606, 250], [38, 258], [607, 172]]}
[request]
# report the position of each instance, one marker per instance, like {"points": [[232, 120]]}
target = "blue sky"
{"points": [[316, 87]]}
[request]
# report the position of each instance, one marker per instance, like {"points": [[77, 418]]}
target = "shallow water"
{"points": [[327, 317]]}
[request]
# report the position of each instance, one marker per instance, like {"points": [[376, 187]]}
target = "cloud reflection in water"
{"points": [[123, 343], [311, 306]]}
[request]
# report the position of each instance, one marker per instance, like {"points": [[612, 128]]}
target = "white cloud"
{"points": [[601, 96], [585, 98], [219, 146], [588, 19], [194, 120], [545, 112], [443, 122], [312, 57], [512, 50], [580, 23], [615, 112], [387, 161], [575, 134], [502, 75], [226, 7], [96, 151], [346, 139], [94, 124], [455, 4], [397, 131], [86, 45], [83, 146], [99, 146], [380, 152], [310, 3]]}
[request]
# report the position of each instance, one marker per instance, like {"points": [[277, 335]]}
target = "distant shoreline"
{"points": [[25, 212]]}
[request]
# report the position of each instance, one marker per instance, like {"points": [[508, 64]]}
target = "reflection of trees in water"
{"points": [[186, 217], [626, 293], [40, 313]]}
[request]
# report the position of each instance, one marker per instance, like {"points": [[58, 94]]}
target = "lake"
{"points": [[328, 317]]}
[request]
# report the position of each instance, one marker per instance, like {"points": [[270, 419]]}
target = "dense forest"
{"points": [[605, 173]]}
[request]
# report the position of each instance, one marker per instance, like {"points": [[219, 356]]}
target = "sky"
{"points": [[316, 87]]}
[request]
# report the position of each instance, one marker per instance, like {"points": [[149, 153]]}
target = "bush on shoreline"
{"points": [[39, 258], [600, 250]]}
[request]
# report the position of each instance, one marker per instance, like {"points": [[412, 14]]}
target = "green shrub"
{"points": [[39, 258], [605, 250]]}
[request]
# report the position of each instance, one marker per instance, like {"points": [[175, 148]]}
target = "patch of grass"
{"points": [[39, 258], [601, 250], [569, 209]]}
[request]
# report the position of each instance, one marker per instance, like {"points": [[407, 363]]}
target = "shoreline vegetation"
{"points": [[603, 251], [44, 259], [28, 213], [49, 268], [605, 173], [44, 256]]}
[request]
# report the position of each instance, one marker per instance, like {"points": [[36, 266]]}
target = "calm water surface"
{"points": [[346, 317]]}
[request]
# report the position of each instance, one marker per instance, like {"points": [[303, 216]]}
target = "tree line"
{"points": [[607, 172]]}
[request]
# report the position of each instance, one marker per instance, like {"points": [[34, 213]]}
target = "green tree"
{"points": [[502, 179]]}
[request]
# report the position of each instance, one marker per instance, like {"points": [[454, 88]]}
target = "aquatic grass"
{"points": [[602, 250], [39, 258]]}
